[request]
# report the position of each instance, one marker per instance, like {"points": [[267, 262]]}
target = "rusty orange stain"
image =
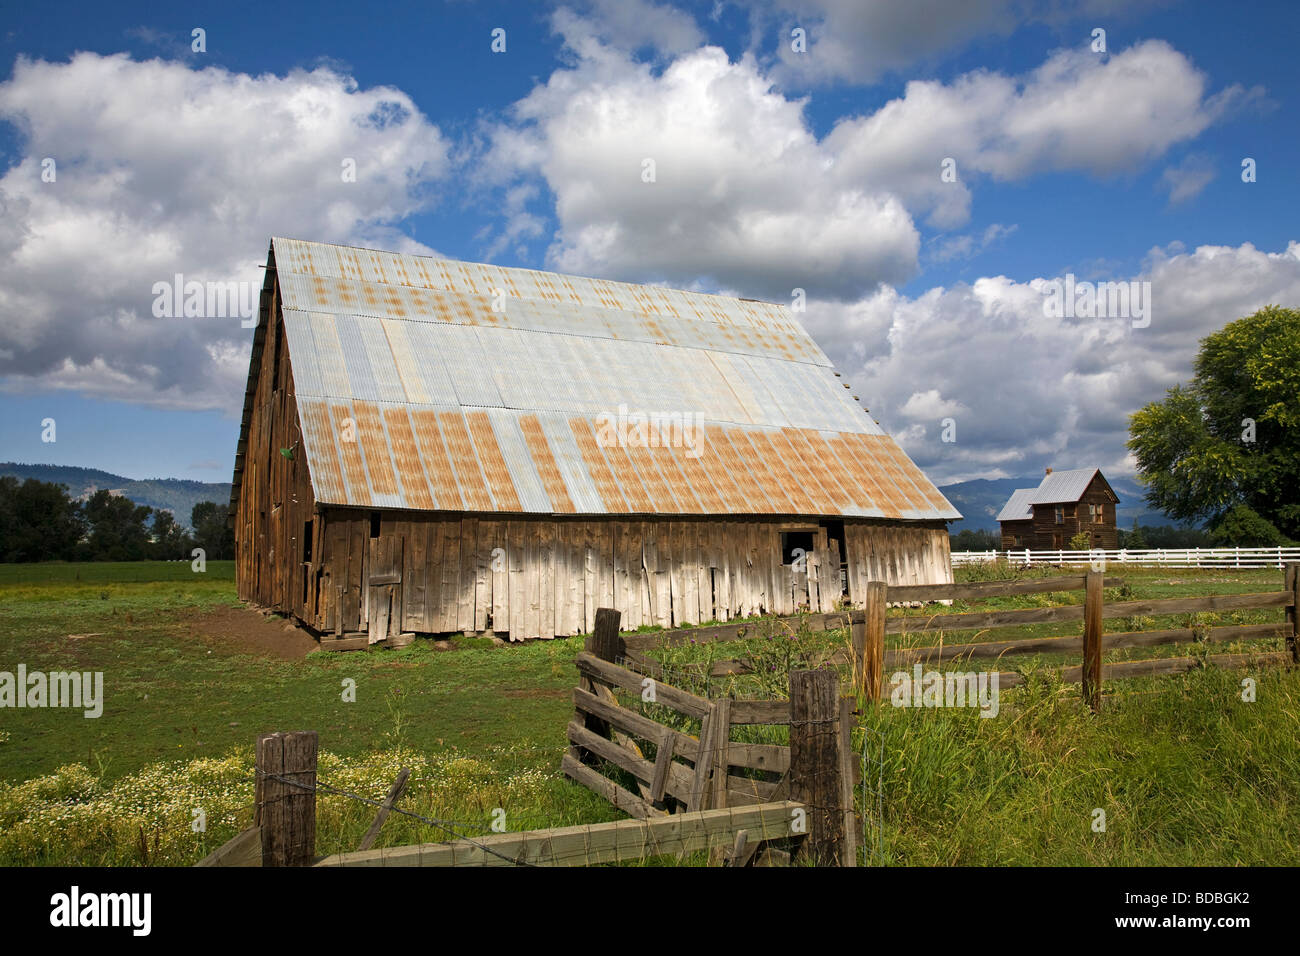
{"points": [[929, 494], [500, 483], [469, 476], [374, 445], [751, 472], [326, 474], [345, 424], [628, 480], [415, 487], [716, 461], [680, 485], [883, 470], [708, 495], [597, 467], [817, 454], [871, 492], [544, 459], [437, 460], [882, 451], [812, 495], [780, 480], [661, 498]]}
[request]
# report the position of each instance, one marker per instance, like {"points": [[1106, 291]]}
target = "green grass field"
{"points": [[1186, 771]]}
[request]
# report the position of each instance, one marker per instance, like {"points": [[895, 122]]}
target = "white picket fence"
{"points": [[1159, 557]]}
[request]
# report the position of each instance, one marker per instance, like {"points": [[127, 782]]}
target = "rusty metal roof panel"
{"points": [[523, 472], [564, 447], [572, 396]]}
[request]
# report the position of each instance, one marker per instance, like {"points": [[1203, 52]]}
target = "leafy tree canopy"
{"points": [[1231, 436]]}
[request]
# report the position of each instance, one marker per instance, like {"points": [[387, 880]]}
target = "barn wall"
{"points": [[896, 554], [546, 577], [275, 498]]}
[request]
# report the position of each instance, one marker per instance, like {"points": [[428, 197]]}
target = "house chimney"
{"points": [[1049, 471]]}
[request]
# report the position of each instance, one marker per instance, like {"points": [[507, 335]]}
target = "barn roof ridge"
{"points": [[545, 272]]}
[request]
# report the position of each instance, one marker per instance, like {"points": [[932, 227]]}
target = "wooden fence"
{"points": [[686, 773], [1242, 558], [284, 829], [870, 661]]}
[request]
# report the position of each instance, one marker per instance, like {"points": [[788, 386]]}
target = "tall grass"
{"points": [[1186, 772]]}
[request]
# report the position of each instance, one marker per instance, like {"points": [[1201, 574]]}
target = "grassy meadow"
{"points": [[1185, 770]]}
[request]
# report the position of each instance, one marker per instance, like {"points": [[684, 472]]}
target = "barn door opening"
{"points": [[384, 587], [797, 547]]}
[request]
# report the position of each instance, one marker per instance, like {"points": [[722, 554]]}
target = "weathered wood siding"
{"points": [[275, 498], [1024, 530], [896, 554], [546, 577], [1047, 535]]}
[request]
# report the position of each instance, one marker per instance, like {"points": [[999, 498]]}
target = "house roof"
{"points": [[481, 388], [1059, 487], [1018, 507], [1063, 486]]}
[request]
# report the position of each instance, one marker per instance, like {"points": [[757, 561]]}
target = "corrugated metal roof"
{"points": [[420, 387], [1063, 486], [1018, 507]]}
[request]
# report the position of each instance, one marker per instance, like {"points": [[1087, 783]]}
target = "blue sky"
{"points": [[777, 169]]}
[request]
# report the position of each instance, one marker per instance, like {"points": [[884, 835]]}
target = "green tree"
{"points": [[1134, 540], [1231, 436], [975, 539], [1242, 527], [170, 541], [117, 528], [38, 521], [208, 519]]}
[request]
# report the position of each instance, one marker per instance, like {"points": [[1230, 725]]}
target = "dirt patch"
{"points": [[252, 632]]}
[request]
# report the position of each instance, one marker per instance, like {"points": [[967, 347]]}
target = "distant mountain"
{"points": [[177, 495], [980, 500]]}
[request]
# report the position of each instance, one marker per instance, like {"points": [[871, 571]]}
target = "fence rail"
{"points": [[671, 769], [869, 625], [1158, 557]]}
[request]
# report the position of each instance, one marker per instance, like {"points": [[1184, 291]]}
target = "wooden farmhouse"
{"points": [[432, 446], [1064, 504]]}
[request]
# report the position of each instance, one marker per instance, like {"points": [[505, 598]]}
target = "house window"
{"points": [[1060, 514], [1097, 511]]}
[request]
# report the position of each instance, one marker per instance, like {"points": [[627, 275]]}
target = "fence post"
{"points": [[869, 643], [1293, 612], [815, 763], [1092, 601], [604, 641], [286, 797]]}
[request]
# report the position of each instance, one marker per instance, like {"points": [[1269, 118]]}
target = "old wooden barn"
{"points": [[434, 446]]}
